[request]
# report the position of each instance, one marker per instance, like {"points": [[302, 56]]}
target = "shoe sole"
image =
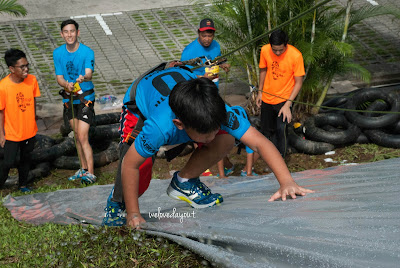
{"points": [[174, 194]]}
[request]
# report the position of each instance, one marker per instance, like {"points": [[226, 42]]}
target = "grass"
{"points": [[53, 245]]}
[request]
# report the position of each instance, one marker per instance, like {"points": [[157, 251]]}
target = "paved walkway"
{"points": [[130, 36]]}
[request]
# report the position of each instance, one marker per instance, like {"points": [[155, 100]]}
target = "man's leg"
{"points": [[207, 156], [186, 186], [26, 148], [10, 153], [282, 136], [268, 118], [74, 123], [86, 149]]}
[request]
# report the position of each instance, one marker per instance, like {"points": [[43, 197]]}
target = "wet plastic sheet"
{"points": [[353, 220]]}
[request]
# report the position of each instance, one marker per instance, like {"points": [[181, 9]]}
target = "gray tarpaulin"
{"points": [[353, 220]]}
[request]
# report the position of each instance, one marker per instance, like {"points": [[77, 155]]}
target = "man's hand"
{"points": [[258, 100], [134, 220], [2, 141], [69, 87], [225, 66], [80, 79], [285, 112], [291, 190]]}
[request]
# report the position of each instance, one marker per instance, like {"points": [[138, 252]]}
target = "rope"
{"points": [[73, 130], [328, 107], [268, 32]]}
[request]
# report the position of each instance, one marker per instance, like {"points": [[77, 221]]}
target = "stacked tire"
{"points": [[369, 115]]}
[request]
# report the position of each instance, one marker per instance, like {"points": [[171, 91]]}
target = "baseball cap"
{"points": [[206, 24]]}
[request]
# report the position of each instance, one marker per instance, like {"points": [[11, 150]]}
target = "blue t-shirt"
{"points": [[195, 49], [242, 112], [71, 65], [152, 96]]}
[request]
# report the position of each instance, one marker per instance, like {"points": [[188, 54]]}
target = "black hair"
{"points": [[69, 21], [198, 105], [12, 56], [278, 38]]}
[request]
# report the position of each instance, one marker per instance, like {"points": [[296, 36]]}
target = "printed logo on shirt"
{"points": [[147, 145], [276, 72], [232, 122], [71, 71], [23, 102]]}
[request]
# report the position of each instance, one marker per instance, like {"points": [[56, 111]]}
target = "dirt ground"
{"points": [[357, 153]]}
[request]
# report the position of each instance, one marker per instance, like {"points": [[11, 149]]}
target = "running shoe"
{"points": [[115, 213], [206, 173], [196, 193], [25, 189], [244, 173], [229, 171], [77, 175], [88, 178]]}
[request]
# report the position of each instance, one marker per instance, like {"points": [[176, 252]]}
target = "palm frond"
{"points": [[11, 7]]}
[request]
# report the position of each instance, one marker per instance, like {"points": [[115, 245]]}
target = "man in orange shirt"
{"points": [[281, 77], [18, 128]]}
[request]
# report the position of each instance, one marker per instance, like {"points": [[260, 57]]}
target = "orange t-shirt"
{"points": [[18, 103], [281, 71]]}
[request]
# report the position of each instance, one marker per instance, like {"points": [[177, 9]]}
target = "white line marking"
{"points": [[103, 24], [372, 2], [99, 18]]}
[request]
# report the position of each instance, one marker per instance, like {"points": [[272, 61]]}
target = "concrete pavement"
{"points": [[130, 36]]}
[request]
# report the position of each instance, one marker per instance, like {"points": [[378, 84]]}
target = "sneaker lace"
{"points": [[199, 185]]}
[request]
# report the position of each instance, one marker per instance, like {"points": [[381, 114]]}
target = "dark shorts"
{"points": [[81, 112]]}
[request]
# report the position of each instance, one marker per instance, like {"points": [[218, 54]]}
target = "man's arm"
{"points": [[87, 77], [69, 86], [2, 133], [285, 110], [268, 152], [130, 184], [263, 74]]}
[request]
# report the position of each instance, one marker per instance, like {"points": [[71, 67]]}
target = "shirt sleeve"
{"points": [[36, 91], [299, 66], [236, 124], [149, 140], [263, 60], [186, 52], [57, 63], [2, 99], [89, 60]]}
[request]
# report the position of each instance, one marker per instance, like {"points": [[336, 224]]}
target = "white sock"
{"points": [[181, 179]]}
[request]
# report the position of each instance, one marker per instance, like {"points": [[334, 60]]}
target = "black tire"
{"points": [[337, 102], [105, 132], [348, 133], [383, 138], [373, 122], [49, 154], [43, 142], [39, 171], [100, 159], [101, 119], [307, 146]]}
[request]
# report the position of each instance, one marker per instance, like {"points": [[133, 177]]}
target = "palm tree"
{"points": [[320, 36], [11, 7]]}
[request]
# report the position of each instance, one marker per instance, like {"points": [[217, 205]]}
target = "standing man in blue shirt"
{"points": [[74, 66], [205, 46]]}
